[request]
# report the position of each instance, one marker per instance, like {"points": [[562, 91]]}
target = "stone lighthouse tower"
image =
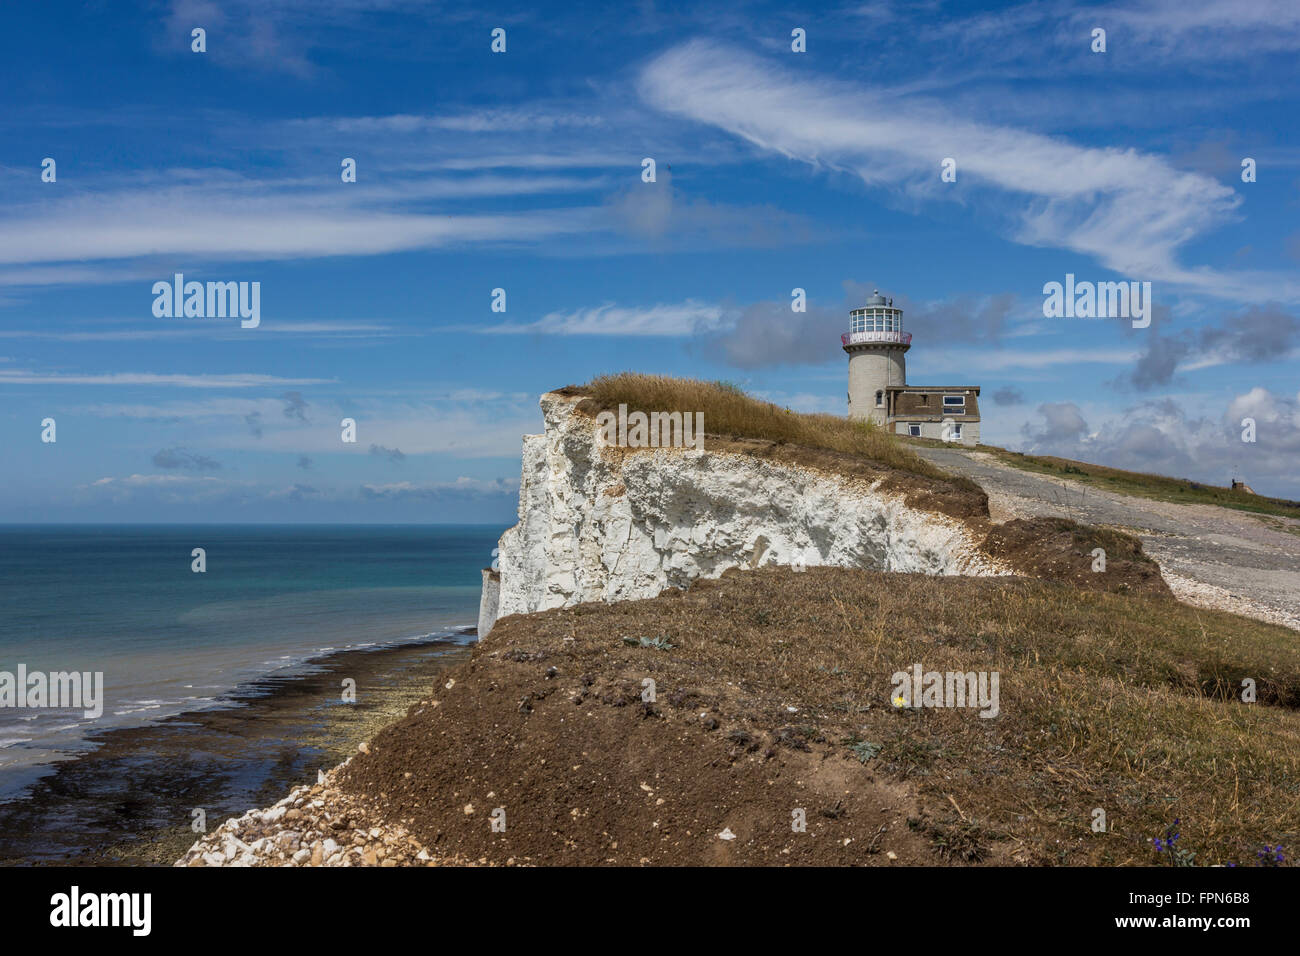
{"points": [[877, 347]]}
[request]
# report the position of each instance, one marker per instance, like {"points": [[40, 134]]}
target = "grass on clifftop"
{"points": [[1126, 703], [1157, 487], [729, 411], [774, 691]]}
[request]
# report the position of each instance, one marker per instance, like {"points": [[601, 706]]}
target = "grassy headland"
{"points": [[729, 412], [773, 691]]}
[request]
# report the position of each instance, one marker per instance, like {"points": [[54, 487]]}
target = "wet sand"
{"points": [[131, 800]]}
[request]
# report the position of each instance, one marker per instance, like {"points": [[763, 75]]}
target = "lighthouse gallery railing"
{"points": [[854, 338]]}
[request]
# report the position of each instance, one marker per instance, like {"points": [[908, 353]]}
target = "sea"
{"points": [[275, 609]]}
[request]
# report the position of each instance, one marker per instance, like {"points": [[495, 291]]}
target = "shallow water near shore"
{"points": [[132, 799], [220, 688]]}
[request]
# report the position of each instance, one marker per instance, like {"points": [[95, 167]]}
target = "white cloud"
{"points": [[165, 481], [1164, 437], [459, 429], [171, 489], [1209, 28], [1148, 34], [1003, 359], [177, 380], [70, 274], [1131, 211], [462, 486], [180, 328], [236, 225], [265, 413], [1276, 412], [665, 320], [476, 121], [577, 160]]}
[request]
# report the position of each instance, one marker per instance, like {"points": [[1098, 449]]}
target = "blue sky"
{"points": [[522, 170]]}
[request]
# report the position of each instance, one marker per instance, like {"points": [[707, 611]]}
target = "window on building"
{"points": [[914, 431], [956, 432], [954, 402], [880, 399]]}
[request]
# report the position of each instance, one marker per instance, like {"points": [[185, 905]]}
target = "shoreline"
{"points": [[132, 797], [322, 824], [22, 775], [315, 825]]}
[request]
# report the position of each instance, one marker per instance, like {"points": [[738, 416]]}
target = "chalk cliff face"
{"points": [[603, 523]]}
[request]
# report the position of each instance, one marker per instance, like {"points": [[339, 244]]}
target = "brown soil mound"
{"points": [[773, 694], [548, 723], [1059, 549]]}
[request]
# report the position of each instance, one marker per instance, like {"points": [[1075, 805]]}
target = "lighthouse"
{"points": [[877, 348]]}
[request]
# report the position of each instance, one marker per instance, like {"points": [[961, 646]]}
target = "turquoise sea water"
{"points": [[123, 600]]}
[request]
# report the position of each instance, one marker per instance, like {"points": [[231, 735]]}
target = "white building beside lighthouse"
{"points": [[878, 391]]}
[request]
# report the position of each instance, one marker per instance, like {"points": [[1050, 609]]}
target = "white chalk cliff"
{"points": [[603, 523]]}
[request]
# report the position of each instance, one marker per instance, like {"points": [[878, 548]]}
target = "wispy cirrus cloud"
{"points": [[280, 36], [467, 423], [175, 380], [140, 481], [461, 487], [663, 320], [1162, 30], [204, 328], [220, 223], [190, 489], [1001, 360], [139, 232], [514, 120], [1131, 211]]}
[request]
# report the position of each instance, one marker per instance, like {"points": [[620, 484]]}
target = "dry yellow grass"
{"points": [[772, 690], [1126, 703], [728, 411]]}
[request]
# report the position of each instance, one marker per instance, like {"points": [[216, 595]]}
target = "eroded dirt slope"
{"points": [[773, 694]]}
